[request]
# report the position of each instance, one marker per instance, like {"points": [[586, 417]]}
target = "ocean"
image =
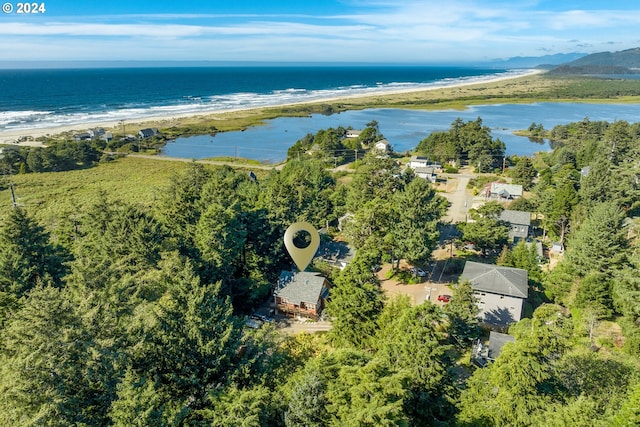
{"points": [[59, 97]]}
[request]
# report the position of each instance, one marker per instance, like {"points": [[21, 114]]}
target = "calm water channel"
{"points": [[403, 128]]}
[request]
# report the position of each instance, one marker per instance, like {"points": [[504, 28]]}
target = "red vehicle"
{"points": [[444, 298]]}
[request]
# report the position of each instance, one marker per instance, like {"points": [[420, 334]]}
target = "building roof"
{"points": [[148, 132], [516, 217], [496, 342], [496, 279], [429, 170], [419, 159], [506, 189], [299, 287]]}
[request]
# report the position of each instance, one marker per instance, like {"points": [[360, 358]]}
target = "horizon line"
{"points": [[80, 64]]}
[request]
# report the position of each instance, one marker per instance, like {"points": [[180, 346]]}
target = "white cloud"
{"points": [[383, 31]]}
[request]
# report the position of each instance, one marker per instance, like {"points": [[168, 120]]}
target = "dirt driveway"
{"points": [[417, 293]]}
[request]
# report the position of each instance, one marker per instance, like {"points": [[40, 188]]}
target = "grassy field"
{"points": [[51, 195], [141, 180]]}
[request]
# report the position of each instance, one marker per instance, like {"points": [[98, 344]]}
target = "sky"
{"points": [[353, 31]]}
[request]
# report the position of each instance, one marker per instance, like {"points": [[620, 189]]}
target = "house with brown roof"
{"points": [[301, 294]]}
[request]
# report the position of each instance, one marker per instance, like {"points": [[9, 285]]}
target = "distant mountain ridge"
{"points": [[621, 62], [545, 61], [629, 58]]}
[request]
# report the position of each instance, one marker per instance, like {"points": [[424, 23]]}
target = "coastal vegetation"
{"points": [[470, 142], [335, 146], [124, 290]]}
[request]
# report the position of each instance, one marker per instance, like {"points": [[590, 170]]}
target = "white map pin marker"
{"points": [[301, 256]]}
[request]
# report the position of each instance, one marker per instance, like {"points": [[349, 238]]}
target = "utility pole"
{"points": [[14, 203], [504, 163]]}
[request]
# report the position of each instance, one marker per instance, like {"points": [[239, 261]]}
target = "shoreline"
{"points": [[28, 137]]}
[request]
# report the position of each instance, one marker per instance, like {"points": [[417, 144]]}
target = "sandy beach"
{"points": [[29, 137]]}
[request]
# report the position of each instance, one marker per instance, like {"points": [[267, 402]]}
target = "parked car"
{"points": [[416, 271], [253, 323], [262, 317], [444, 298]]}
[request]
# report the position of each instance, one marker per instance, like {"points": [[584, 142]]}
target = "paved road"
{"points": [[460, 201]]}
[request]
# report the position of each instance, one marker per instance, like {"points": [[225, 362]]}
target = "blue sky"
{"points": [[385, 31]]}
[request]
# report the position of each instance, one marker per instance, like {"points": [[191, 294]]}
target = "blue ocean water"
{"points": [[56, 97]]}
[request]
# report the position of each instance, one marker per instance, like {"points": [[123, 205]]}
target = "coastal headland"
{"points": [[533, 86]]}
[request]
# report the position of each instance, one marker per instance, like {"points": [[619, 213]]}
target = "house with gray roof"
{"points": [[148, 133], [424, 168], [428, 173], [353, 133], [519, 223], [301, 293], [503, 191], [501, 291], [484, 353]]}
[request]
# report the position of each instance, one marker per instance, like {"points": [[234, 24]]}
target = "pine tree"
{"points": [[27, 259], [48, 365], [188, 339], [418, 209], [599, 244], [462, 312], [355, 304], [629, 413]]}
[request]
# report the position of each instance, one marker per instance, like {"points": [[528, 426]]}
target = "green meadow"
{"points": [[51, 195]]}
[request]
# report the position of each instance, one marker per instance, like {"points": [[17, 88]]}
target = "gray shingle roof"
{"points": [[506, 189], [516, 217], [496, 279], [300, 287], [496, 342]]}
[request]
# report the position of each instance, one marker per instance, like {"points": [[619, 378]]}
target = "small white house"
{"points": [[423, 168], [418, 162], [382, 145], [428, 173], [502, 191], [352, 133]]}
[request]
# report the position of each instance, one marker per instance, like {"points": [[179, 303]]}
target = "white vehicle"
{"points": [[416, 271]]}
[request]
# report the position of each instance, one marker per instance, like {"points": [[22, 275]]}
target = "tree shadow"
{"points": [[498, 317]]}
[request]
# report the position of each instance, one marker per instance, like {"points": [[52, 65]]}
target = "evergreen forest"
{"points": [[130, 313]]}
